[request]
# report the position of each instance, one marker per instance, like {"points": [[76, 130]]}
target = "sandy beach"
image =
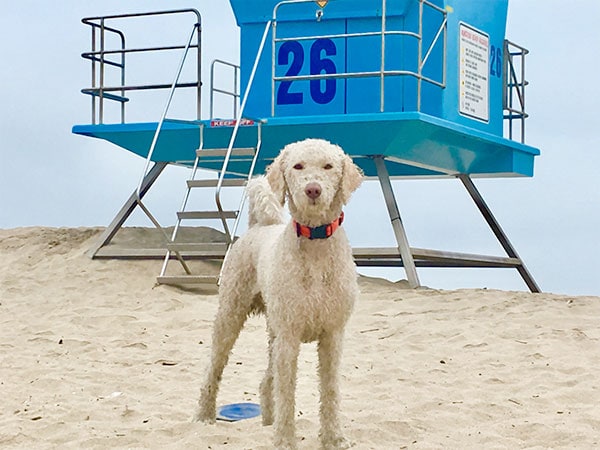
{"points": [[95, 355]]}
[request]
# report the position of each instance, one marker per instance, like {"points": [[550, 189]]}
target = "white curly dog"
{"points": [[300, 274]]}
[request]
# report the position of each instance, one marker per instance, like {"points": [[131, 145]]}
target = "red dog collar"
{"points": [[320, 232]]}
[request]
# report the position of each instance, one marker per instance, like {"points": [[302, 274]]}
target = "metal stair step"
{"points": [[201, 249], [207, 214], [430, 258], [221, 152], [188, 279], [228, 182]]}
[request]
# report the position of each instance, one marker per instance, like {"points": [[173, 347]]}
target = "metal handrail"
{"points": [[348, 35], [381, 73], [99, 58], [88, 55], [234, 93], [248, 178], [103, 28], [138, 191], [327, 76], [137, 87], [236, 128], [514, 86], [167, 106], [145, 14], [244, 197]]}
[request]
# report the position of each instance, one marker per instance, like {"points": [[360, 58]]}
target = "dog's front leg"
{"points": [[227, 327], [266, 388], [330, 352], [286, 348]]}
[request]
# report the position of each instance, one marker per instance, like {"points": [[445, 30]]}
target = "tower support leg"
{"points": [[498, 232], [399, 232], [128, 208]]}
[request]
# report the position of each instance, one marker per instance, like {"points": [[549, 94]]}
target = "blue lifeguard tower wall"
{"points": [[471, 27]]}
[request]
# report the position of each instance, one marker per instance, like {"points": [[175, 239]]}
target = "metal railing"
{"points": [[102, 58], [238, 121], [513, 98], [230, 234], [234, 92], [382, 73], [145, 172], [172, 88]]}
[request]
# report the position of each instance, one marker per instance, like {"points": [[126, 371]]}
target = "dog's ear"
{"points": [[352, 177], [275, 177]]}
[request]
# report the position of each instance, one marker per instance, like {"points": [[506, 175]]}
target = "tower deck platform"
{"points": [[414, 144]]}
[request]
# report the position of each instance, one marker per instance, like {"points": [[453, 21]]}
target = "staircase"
{"points": [[228, 218], [227, 178]]}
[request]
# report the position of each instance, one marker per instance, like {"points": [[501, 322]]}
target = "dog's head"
{"points": [[317, 178]]}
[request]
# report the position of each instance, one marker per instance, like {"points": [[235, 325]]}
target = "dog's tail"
{"points": [[264, 208]]}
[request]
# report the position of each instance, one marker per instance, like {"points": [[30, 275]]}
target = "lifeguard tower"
{"points": [[409, 88]]}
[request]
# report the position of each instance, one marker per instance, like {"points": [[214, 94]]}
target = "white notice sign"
{"points": [[474, 82]]}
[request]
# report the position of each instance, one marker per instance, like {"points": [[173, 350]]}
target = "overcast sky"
{"points": [[50, 177]]}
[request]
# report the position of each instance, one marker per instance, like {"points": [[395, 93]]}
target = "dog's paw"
{"points": [[267, 421], [336, 443], [204, 416], [285, 446]]}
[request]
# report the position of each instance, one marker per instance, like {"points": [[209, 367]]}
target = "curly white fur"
{"points": [[307, 288]]}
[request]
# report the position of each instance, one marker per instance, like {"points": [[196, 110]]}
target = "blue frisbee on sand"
{"points": [[238, 411]]}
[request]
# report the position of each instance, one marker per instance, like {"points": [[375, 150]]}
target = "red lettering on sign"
{"points": [[230, 122]]}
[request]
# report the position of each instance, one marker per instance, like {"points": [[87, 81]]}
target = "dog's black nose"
{"points": [[312, 190]]}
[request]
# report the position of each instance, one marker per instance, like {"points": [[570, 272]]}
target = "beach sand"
{"points": [[94, 355]]}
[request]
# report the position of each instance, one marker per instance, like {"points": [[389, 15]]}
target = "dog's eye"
{"points": [[299, 166], [327, 166]]}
